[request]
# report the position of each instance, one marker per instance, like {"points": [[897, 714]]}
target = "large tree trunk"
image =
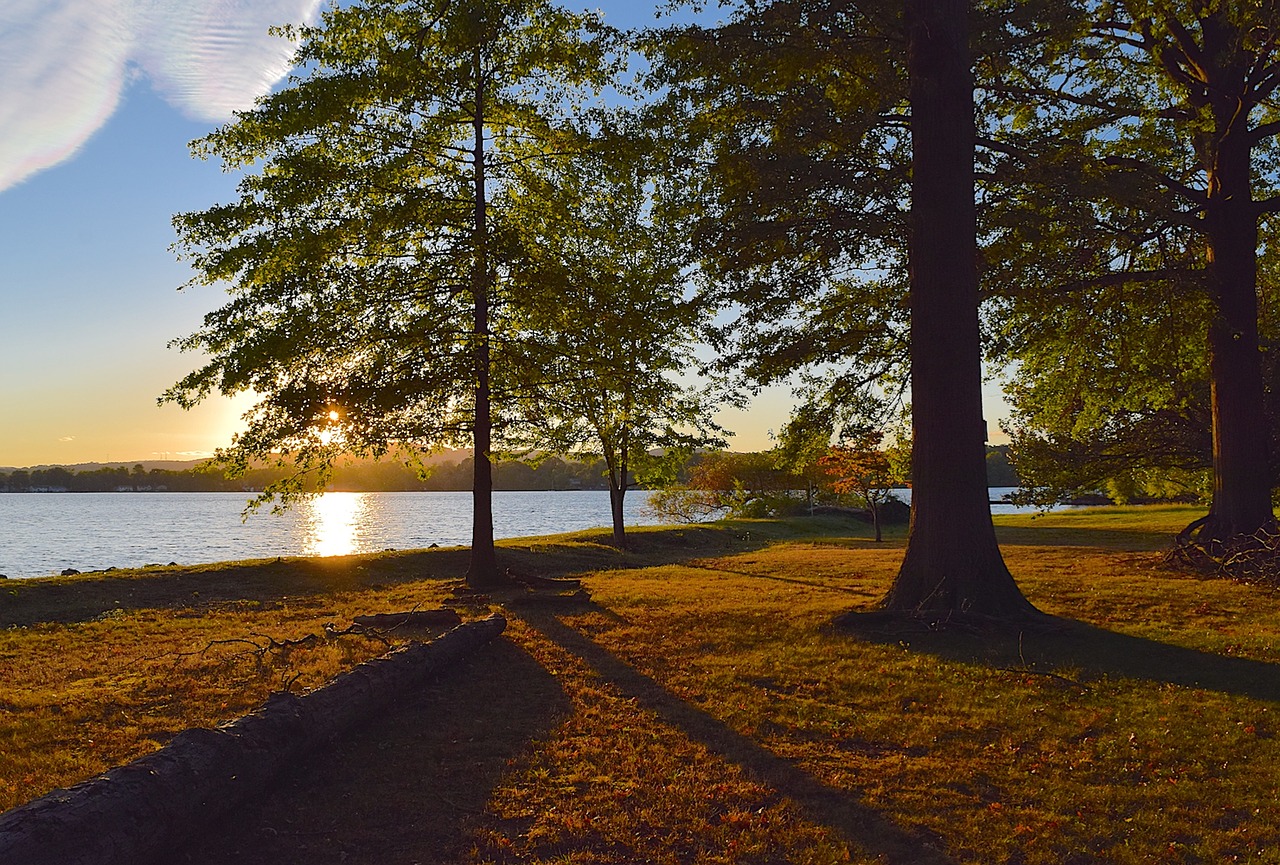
{"points": [[1241, 463], [952, 562], [483, 570]]}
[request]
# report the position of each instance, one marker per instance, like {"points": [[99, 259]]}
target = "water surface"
{"points": [[43, 533]]}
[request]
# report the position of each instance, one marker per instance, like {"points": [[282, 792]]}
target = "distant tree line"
{"points": [[365, 476], [755, 470]]}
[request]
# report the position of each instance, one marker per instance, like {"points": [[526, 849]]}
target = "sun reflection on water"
{"points": [[333, 524]]}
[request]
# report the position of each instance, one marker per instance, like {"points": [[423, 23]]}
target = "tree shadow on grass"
{"points": [[406, 788], [1057, 644], [857, 824], [1118, 540], [86, 596]]}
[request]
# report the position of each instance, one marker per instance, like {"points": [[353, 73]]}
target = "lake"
{"points": [[45, 533]]}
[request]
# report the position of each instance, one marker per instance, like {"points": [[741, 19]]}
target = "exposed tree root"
{"points": [[1251, 558]]}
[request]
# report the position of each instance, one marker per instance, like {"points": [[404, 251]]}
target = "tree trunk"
{"points": [[618, 464], [483, 570], [1241, 462], [952, 562], [616, 494]]}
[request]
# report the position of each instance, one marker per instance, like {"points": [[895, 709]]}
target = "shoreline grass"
{"points": [[701, 708]]}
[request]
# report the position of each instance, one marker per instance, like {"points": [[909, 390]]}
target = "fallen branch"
{"points": [[1023, 671], [533, 581]]}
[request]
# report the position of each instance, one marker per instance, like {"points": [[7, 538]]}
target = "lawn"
{"points": [[700, 706]]}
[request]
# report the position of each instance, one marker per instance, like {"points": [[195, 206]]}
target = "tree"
{"points": [[725, 483], [372, 296], [1173, 104], [862, 467], [617, 328], [952, 562], [1132, 409]]}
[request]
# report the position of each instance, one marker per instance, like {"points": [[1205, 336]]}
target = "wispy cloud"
{"points": [[64, 65], [67, 439]]}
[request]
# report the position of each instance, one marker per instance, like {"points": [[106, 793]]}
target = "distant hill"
{"points": [[163, 465], [447, 456]]}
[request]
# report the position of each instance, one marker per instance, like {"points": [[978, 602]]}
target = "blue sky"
{"points": [[101, 99]]}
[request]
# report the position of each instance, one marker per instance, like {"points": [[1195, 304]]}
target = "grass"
{"points": [[700, 707]]}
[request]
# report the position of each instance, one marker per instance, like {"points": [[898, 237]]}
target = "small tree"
{"points": [[865, 469], [612, 328], [723, 483]]}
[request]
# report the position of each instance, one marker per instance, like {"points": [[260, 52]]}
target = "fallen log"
{"points": [[134, 813], [409, 619]]}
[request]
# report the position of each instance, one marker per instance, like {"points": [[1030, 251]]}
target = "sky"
{"points": [[101, 98]]}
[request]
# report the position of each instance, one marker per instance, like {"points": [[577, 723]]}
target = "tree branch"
{"points": [[1266, 130], [1108, 280], [1188, 193]]}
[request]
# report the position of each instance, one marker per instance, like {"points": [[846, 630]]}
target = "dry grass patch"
{"points": [[80, 698]]}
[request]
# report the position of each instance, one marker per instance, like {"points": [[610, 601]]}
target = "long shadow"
{"points": [[1096, 652], [859, 825], [86, 596], [407, 788], [25, 602], [1118, 540]]}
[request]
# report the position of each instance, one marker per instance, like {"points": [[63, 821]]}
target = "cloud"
{"points": [[67, 439], [64, 65]]}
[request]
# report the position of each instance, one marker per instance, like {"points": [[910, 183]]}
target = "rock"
{"points": [[836, 511], [895, 512], [70, 572]]}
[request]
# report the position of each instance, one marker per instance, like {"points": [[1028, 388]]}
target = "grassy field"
{"points": [[699, 707]]}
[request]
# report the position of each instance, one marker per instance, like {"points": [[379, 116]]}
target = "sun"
{"points": [[329, 433]]}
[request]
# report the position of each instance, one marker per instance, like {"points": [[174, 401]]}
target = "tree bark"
{"points": [[616, 495], [952, 562], [1241, 461], [483, 569]]}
